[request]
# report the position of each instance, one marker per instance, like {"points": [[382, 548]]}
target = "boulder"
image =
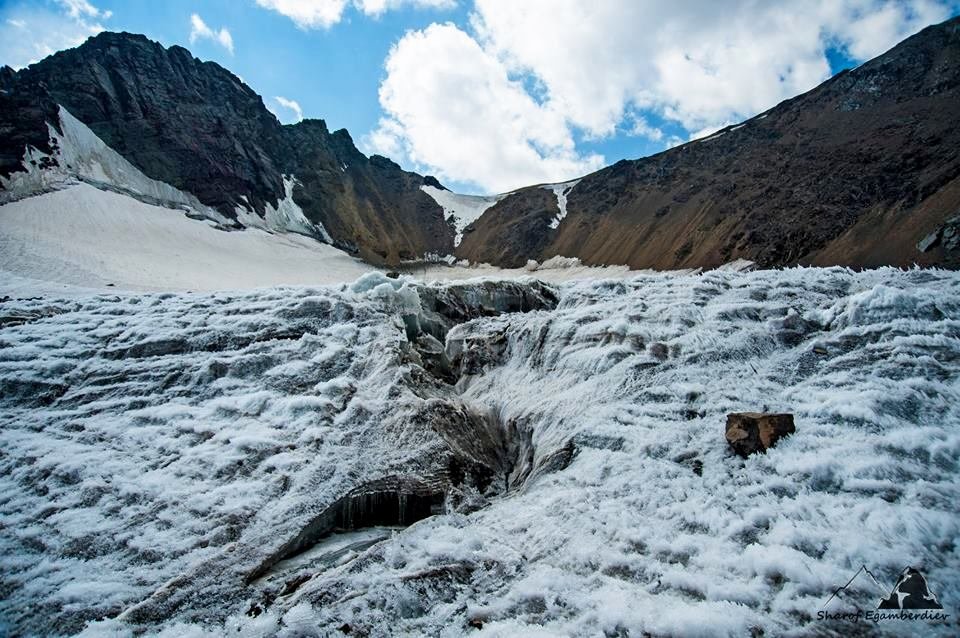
{"points": [[751, 432]]}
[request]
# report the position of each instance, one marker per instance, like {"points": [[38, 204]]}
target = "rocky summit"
{"points": [[198, 127]]}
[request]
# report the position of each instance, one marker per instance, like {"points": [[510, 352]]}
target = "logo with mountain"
{"points": [[910, 592]]}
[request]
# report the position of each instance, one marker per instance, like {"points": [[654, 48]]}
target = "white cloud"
{"points": [[696, 62], [597, 68], [31, 31], [290, 105], [323, 14], [872, 27], [452, 109], [308, 14], [200, 31], [77, 9], [641, 128], [378, 7]]}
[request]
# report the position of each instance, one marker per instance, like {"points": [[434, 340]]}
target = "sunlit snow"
{"points": [[83, 236]]}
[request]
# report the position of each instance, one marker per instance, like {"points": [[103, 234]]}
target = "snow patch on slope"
{"points": [[287, 216], [84, 236], [561, 191], [82, 156], [462, 209]]}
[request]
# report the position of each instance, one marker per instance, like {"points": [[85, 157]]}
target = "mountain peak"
{"points": [[196, 126]]}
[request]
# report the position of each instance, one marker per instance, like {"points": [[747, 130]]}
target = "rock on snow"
{"points": [[162, 454]]}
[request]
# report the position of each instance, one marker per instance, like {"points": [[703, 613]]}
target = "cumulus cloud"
{"points": [[641, 128], [200, 31], [586, 69], [30, 31], [323, 14], [290, 105], [453, 109], [699, 63], [308, 14], [867, 29], [378, 7]]}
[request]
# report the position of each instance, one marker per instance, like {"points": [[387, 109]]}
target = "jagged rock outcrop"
{"points": [[855, 172], [198, 127]]}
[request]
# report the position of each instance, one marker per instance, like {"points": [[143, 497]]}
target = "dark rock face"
{"points": [[198, 127], [23, 122], [752, 432], [855, 172], [947, 236], [370, 205]]}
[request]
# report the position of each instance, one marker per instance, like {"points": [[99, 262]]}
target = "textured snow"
{"points": [[464, 209], [83, 236], [561, 191], [156, 446], [82, 156], [555, 270]]}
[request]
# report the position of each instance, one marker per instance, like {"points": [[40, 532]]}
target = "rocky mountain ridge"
{"points": [[198, 127], [858, 171]]}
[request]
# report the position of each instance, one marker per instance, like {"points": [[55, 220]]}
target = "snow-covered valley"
{"points": [[513, 458]]}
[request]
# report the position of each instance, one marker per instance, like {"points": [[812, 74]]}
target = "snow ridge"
{"points": [[286, 217], [81, 156]]}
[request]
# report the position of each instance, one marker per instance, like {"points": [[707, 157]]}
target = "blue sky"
{"points": [[495, 94]]}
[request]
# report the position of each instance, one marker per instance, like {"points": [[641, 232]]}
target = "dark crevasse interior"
{"points": [[388, 502], [392, 507]]}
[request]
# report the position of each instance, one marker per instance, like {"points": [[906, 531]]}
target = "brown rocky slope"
{"points": [[857, 172]]}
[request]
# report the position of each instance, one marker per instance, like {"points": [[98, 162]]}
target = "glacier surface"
{"points": [[169, 461]]}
